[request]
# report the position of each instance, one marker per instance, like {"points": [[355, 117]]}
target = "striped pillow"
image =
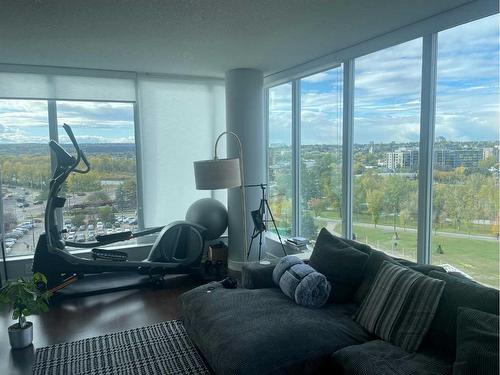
{"points": [[400, 306]]}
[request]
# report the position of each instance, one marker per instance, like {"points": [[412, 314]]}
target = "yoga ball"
{"points": [[211, 214]]}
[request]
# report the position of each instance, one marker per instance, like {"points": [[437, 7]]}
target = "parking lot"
{"points": [[24, 221]]}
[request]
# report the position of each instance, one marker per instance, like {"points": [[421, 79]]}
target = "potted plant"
{"points": [[25, 297]]}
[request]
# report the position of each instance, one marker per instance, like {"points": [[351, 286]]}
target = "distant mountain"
{"points": [[88, 148]]}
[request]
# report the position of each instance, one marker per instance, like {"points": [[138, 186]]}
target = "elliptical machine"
{"points": [[178, 248]]}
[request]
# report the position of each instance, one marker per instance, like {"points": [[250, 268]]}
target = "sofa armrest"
{"points": [[257, 276]]}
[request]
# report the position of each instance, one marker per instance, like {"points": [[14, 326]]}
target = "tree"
{"points": [[375, 201], [106, 214], [78, 220], [308, 228], [98, 197], [317, 205]]}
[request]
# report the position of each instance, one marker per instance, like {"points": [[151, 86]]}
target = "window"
{"points": [[321, 153], [386, 150], [25, 167], [466, 151], [280, 156], [103, 201], [386, 147]]}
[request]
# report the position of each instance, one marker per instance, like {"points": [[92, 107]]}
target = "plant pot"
{"points": [[20, 337]]}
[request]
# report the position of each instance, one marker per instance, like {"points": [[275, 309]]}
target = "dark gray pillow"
{"points": [[458, 292], [400, 305], [373, 264], [477, 343], [342, 265]]}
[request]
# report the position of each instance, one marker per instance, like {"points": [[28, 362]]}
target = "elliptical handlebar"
{"points": [[80, 155], [66, 163]]}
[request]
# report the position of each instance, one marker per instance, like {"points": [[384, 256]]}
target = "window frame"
{"points": [[54, 134], [427, 30]]}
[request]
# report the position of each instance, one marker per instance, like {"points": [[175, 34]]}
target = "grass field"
{"points": [[477, 258]]}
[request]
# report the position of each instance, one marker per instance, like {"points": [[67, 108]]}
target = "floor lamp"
{"points": [[214, 174]]}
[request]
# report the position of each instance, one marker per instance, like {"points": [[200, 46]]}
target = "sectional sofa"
{"points": [[256, 329]]}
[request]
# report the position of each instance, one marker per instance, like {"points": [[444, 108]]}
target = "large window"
{"points": [[388, 193], [386, 147], [104, 200], [280, 156], [25, 167], [466, 157], [321, 153]]}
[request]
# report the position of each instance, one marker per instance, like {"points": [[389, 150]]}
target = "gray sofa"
{"points": [[256, 329]]}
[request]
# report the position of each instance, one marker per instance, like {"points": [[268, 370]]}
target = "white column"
{"points": [[245, 117]]}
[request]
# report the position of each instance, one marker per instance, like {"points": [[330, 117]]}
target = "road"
{"points": [[332, 223]]}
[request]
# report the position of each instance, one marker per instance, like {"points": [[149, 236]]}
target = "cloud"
{"points": [[26, 121], [387, 92]]}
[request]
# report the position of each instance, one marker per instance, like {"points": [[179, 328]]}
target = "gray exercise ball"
{"points": [[209, 213]]}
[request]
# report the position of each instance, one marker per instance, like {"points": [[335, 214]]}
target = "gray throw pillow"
{"points": [[342, 264], [477, 343], [458, 292], [400, 306], [373, 264]]}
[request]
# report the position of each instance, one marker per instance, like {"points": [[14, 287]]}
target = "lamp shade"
{"points": [[216, 174]]}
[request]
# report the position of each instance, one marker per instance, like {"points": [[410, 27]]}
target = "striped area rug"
{"points": [[163, 348]]}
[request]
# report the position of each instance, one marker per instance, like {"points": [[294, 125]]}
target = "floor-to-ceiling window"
{"points": [[464, 168], [25, 168], [320, 167], [102, 201], [386, 147], [280, 156], [466, 157]]}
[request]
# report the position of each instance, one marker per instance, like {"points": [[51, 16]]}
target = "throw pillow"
{"points": [[400, 306], [373, 264], [458, 292], [301, 282], [477, 343], [342, 264]]}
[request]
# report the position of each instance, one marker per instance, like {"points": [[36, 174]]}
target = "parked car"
{"points": [[71, 237], [91, 227], [100, 225], [80, 237], [91, 236], [82, 227]]}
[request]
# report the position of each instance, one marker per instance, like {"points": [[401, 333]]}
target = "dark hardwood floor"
{"points": [[74, 319]]}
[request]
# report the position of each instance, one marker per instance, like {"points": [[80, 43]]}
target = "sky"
{"points": [[26, 121], [386, 109], [387, 93]]}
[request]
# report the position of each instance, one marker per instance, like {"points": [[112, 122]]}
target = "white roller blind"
{"points": [[27, 82], [180, 121]]}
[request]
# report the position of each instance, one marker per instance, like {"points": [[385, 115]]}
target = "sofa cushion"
{"points": [[400, 305], [261, 331], [373, 264], [379, 357], [458, 292], [477, 343], [343, 265]]}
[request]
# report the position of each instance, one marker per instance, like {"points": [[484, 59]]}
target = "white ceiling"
{"points": [[195, 37]]}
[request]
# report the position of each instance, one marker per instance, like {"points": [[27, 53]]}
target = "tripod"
{"points": [[259, 221]]}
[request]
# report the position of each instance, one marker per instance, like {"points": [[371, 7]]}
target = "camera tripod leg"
{"points": [[275, 227]]}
